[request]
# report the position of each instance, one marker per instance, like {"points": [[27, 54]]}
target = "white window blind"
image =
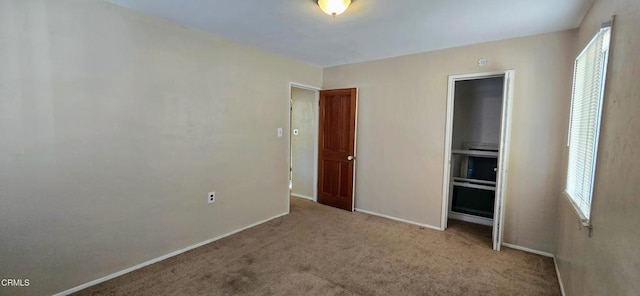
{"points": [[586, 109]]}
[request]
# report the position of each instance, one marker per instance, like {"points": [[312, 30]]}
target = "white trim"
{"points": [[163, 257], [471, 218], [290, 154], [304, 86], [355, 155], [541, 253], [528, 250], [503, 158], [473, 76], [448, 135], [398, 219], [316, 147], [555, 263], [302, 196]]}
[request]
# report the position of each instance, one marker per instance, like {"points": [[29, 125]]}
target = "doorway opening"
{"points": [[303, 141], [322, 145], [476, 153]]}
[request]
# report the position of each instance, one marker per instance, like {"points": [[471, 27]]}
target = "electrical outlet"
{"points": [[211, 197]]}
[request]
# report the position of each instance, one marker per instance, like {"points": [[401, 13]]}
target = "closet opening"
{"points": [[476, 153]]}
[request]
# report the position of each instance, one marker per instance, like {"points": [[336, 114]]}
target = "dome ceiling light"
{"points": [[334, 7]]}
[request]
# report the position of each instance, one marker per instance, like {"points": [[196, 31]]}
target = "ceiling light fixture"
{"points": [[334, 7]]}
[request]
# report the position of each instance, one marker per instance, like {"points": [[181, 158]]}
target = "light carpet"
{"points": [[319, 250]]}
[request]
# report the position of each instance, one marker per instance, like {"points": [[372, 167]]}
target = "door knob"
{"points": [[350, 158]]}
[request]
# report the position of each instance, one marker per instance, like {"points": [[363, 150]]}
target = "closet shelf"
{"points": [[474, 181], [475, 186], [476, 152]]}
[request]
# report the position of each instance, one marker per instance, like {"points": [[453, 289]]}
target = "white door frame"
{"points": [[355, 154], [505, 135], [316, 90]]}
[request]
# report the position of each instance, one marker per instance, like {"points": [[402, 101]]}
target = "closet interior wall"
{"points": [[477, 111]]}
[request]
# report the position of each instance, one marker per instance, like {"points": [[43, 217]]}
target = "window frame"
{"points": [[585, 217]]}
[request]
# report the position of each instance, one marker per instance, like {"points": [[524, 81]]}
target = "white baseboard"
{"points": [[555, 263], [302, 196], [398, 219], [158, 259], [546, 254]]}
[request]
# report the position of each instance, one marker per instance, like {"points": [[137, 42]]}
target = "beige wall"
{"points": [[113, 128], [114, 125], [401, 123], [303, 118], [608, 262]]}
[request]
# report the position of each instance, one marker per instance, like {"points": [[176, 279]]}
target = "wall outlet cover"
{"points": [[211, 197]]}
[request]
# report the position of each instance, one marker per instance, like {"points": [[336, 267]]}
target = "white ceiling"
{"points": [[369, 29]]}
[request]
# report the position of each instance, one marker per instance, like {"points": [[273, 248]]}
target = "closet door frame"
{"points": [[503, 157]]}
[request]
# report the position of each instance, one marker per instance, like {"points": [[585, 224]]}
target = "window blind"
{"points": [[586, 109]]}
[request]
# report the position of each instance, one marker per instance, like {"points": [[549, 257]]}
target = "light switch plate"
{"points": [[279, 132]]}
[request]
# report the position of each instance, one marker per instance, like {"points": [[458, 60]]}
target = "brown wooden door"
{"points": [[337, 127]]}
